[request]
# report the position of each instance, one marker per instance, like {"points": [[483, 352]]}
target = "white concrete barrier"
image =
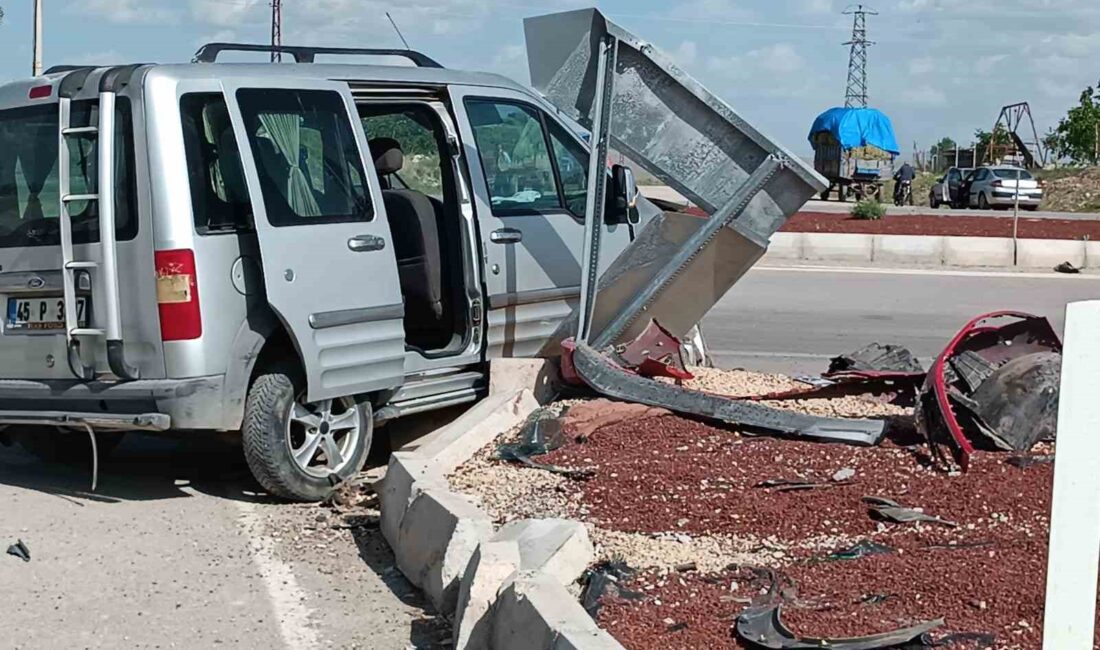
{"points": [[908, 249], [843, 247], [1073, 555], [977, 251], [1048, 253], [785, 246]]}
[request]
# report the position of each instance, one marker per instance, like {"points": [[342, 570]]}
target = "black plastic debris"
{"points": [[790, 485], [977, 639], [20, 550], [1025, 461], [876, 357], [606, 578], [762, 627], [541, 434], [874, 599], [676, 627], [891, 510], [1067, 267], [861, 549]]}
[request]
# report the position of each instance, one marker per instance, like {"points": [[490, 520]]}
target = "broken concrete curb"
{"points": [[506, 589], [534, 611], [932, 250]]}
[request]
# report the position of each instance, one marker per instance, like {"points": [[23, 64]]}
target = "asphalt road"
{"points": [[795, 319], [174, 550]]}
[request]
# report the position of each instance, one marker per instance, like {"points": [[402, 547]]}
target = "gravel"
{"points": [[957, 225], [667, 491]]}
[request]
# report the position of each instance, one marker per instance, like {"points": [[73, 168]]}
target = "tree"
{"points": [[944, 145], [1076, 136]]}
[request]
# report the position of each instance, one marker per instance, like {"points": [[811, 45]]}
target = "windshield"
{"points": [[1010, 174], [29, 201]]}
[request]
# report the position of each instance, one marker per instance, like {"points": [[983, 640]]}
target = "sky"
{"points": [[938, 67]]}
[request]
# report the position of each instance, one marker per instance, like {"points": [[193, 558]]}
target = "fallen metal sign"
{"points": [[609, 378], [627, 91]]}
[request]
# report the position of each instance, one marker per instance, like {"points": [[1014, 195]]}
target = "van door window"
{"points": [[414, 128], [219, 195], [307, 159], [572, 164], [29, 201], [515, 157]]}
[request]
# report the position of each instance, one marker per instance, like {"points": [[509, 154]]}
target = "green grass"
{"points": [[869, 209]]}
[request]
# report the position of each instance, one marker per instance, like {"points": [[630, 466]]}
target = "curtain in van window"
{"points": [[285, 131], [36, 162]]}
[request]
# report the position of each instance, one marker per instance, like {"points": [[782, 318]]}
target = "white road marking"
{"points": [[862, 270], [287, 598]]}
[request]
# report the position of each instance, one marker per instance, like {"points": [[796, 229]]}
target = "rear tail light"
{"points": [[40, 92], [997, 184], [178, 295]]}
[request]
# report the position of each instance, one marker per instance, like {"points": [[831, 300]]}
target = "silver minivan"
{"points": [[296, 252]]}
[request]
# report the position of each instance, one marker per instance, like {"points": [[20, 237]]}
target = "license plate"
{"points": [[41, 315]]}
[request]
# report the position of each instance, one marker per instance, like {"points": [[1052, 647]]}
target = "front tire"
{"points": [[298, 450], [983, 203]]}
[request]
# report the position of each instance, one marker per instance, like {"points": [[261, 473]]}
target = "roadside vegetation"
{"points": [[869, 209]]}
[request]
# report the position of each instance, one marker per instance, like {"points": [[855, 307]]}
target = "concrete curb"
{"points": [[505, 588], [932, 250]]}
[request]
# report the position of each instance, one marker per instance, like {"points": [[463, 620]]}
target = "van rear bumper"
{"points": [[149, 404]]}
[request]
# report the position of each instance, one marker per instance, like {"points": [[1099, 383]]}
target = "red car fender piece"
{"points": [[937, 381]]}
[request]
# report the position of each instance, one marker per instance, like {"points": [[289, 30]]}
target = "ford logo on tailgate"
{"points": [[36, 282]]}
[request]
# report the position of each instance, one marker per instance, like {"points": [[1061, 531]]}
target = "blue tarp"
{"points": [[857, 127]]}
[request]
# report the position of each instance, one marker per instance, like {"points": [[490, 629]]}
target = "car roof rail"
{"points": [[209, 53]]}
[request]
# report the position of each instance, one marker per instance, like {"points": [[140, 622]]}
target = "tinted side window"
{"points": [[514, 156], [307, 159], [219, 194], [572, 162], [29, 201]]}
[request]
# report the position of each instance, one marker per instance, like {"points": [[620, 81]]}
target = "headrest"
{"points": [[387, 154]]}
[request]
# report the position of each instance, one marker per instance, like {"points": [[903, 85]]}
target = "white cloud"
{"points": [[686, 54], [228, 14], [985, 64], [922, 66], [817, 6], [716, 10], [776, 70], [125, 11], [924, 95]]}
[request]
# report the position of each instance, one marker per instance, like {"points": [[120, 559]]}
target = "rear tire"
{"points": [[933, 201], [67, 446], [273, 429]]}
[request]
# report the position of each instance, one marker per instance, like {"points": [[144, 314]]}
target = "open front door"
{"points": [[328, 260]]}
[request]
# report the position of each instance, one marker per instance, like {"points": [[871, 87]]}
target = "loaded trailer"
{"points": [[854, 149]]}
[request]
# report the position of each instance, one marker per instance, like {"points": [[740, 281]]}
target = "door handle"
{"points": [[506, 236], [366, 243]]}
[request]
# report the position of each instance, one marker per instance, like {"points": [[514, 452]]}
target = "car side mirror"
{"points": [[626, 194]]}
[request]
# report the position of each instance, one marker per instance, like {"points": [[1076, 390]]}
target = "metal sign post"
{"points": [[1074, 550], [1015, 217], [596, 201]]}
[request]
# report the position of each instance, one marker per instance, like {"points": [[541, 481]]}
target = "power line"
{"points": [[855, 93]]}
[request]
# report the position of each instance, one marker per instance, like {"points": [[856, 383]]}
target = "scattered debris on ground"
{"points": [[1071, 190], [20, 550], [663, 491]]}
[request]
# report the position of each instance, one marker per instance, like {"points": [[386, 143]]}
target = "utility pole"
{"points": [[855, 94], [276, 31], [37, 64]]}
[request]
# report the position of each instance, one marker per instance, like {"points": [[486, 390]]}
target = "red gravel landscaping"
{"points": [[956, 225], [666, 473]]}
